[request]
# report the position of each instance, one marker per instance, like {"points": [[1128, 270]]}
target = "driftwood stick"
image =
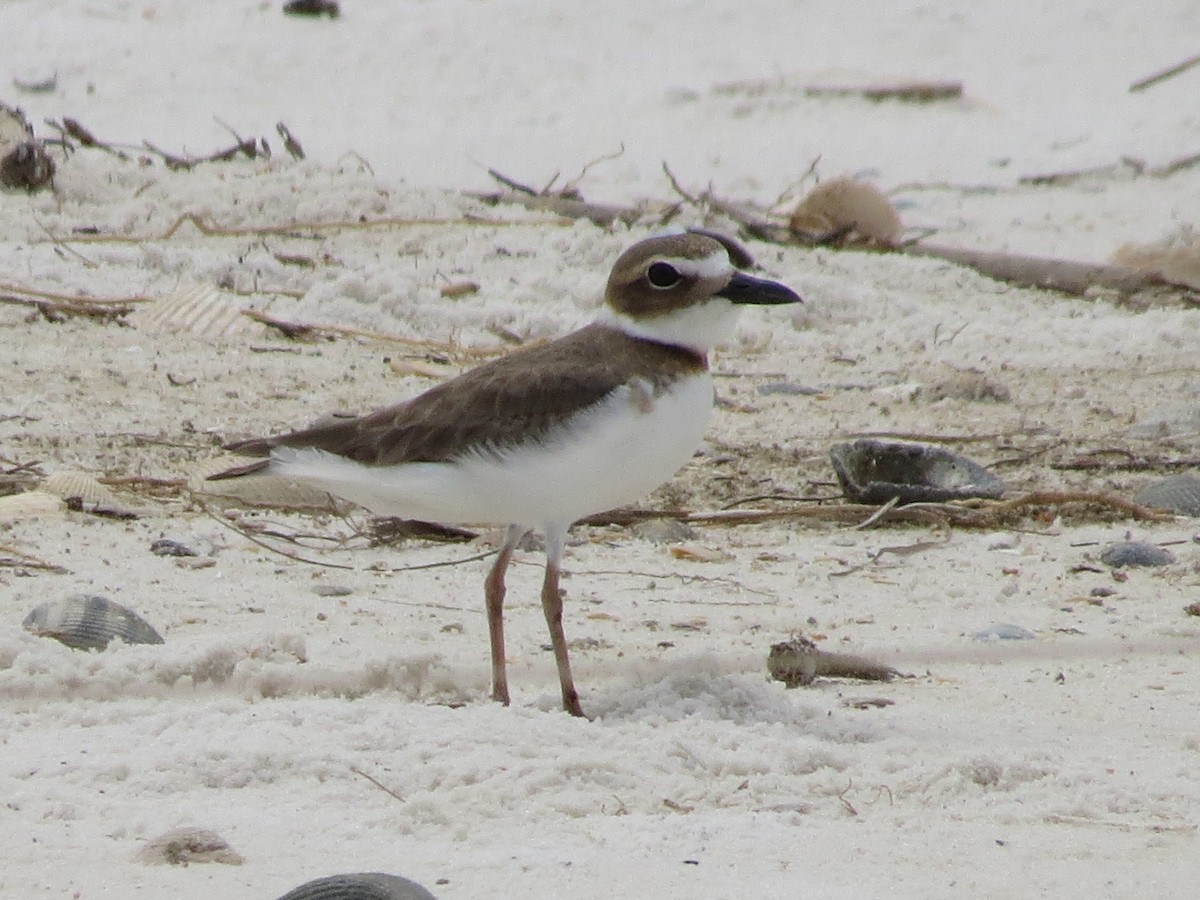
{"points": [[1043, 272], [511, 184], [910, 91], [1142, 83], [308, 329]]}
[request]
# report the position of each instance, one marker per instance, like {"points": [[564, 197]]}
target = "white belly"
{"points": [[615, 453]]}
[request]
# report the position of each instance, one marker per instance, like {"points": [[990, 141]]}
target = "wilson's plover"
{"points": [[549, 434]]}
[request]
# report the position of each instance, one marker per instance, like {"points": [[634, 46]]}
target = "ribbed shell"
{"points": [[359, 886], [1135, 553], [90, 622], [1178, 493], [874, 472], [88, 493], [195, 309]]}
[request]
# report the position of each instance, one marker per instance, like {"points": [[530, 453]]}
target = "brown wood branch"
{"points": [[1170, 72], [301, 227], [13, 558], [16, 288], [1069, 277], [304, 329], [58, 309], [910, 91]]}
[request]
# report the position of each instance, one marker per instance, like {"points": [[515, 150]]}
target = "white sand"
{"points": [[1060, 767]]}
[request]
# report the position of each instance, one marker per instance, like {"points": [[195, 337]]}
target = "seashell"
{"points": [[1135, 553], [874, 472], [359, 886], [793, 662], [1175, 258], [90, 622], [84, 492], [183, 846], [800, 662], [1003, 632], [195, 309], [1178, 493], [846, 203]]}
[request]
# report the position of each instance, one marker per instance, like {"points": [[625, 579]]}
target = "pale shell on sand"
{"points": [[90, 622], [184, 846], [82, 491], [198, 309]]}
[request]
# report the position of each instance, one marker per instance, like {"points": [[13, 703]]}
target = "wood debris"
{"points": [[906, 91], [1150, 80]]}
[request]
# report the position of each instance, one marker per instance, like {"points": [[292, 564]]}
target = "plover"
{"points": [[548, 434]]}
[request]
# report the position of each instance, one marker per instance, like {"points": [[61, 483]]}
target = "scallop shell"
{"points": [[359, 886], [875, 472], [90, 622], [1135, 553], [1178, 493], [84, 492], [194, 308]]}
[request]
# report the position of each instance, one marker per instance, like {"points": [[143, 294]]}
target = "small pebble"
{"points": [[332, 590]]}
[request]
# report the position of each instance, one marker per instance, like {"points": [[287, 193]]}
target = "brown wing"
{"points": [[519, 397]]}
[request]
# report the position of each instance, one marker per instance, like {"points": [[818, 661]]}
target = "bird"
{"points": [[548, 434]]}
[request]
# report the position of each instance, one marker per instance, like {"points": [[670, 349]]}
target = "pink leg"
{"points": [[552, 605], [493, 592]]}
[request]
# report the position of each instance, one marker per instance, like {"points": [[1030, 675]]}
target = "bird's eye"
{"points": [[662, 275]]}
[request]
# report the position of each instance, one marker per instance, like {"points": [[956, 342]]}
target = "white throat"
{"points": [[699, 327]]}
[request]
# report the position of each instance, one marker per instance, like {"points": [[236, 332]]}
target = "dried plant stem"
{"points": [[286, 228]]}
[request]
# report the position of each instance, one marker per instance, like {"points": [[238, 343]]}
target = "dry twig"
{"points": [[300, 330], [304, 227], [908, 91], [56, 306], [19, 559], [1142, 83]]}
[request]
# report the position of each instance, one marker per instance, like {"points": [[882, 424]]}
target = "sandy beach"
{"points": [[320, 701]]}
